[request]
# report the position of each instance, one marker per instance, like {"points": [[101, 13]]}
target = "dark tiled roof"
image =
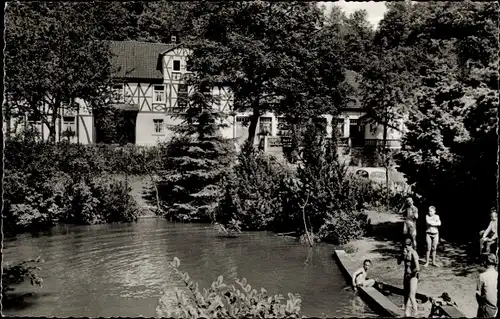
{"points": [[137, 60]]}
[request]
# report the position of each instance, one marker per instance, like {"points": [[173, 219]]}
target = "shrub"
{"points": [[18, 273], [227, 301], [32, 200], [99, 201], [79, 159], [324, 198], [253, 192]]}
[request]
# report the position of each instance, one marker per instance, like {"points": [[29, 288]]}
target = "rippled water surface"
{"points": [[123, 269]]}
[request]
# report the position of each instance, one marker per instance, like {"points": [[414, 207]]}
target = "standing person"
{"points": [[410, 221], [490, 235], [432, 235], [359, 276], [486, 292], [410, 281]]}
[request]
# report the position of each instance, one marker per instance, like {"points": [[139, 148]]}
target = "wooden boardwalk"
{"points": [[374, 298]]}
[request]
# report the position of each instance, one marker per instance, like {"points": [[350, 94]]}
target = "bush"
{"points": [[32, 200], [17, 274], [227, 301], [102, 200], [324, 197], [253, 193], [81, 160]]}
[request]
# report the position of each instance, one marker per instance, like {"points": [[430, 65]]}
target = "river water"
{"points": [[123, 269]]}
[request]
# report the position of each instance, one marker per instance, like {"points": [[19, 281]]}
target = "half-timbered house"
{"points": [[150, 85]]}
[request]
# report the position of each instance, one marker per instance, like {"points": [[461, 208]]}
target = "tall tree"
{"points": [[199, 159], [53, 57], [450, 151], [274, 56]]}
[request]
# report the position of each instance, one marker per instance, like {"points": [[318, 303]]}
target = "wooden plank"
{"points": [[452, 311], [349, 266], [374, 298]]}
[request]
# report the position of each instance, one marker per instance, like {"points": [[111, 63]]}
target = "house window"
{"points": [[189, 65], [242, 120], [320, 123], [158, 126], [283, 127], [177, 65], [265, 125], [69, 126], [35, 124], [356, 133], [159, 94], [340, 127], [118, 93], [182, 95]]}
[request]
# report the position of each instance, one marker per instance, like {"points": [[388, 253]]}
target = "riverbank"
{"points": [[454, 276], [140, 189]]}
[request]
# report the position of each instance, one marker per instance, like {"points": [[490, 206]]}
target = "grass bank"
{"points": [[456, 275]]}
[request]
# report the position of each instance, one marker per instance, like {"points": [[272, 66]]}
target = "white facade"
{"points": [[157, 99]]}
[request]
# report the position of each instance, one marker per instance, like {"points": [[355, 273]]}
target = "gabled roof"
{"points": [[137, 60]]}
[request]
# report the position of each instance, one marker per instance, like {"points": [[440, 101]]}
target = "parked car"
{"points": [[377, 175]]}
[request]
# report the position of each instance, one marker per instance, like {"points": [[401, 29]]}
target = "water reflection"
{"points": [[123, 269]]}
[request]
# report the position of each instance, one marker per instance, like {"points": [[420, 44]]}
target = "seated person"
{"points": [[359, 276], [490, 235], [486, 292]]}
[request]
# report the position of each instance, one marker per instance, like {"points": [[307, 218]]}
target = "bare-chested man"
{"points": [[490, 235], [410, 281], [410, 221]]}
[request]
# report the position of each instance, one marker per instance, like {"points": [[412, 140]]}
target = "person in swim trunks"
{"points": [[490, 235], [486, 292], [359, 276], [410, 222], [432, 235], [411, 275]]}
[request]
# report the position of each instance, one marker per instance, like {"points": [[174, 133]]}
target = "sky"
{"points": [[375, 10]]}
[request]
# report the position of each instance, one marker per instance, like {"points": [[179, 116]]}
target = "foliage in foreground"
{"points": [[18, 273], [227, 301]]}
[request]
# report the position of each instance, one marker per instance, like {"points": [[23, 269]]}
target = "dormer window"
{"points": [[177, 65], [173, 39]]}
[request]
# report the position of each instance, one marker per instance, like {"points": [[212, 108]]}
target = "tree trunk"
{"points": [[52, 132], [309, 239], [53, 119], [254, 118], [386, 165]]}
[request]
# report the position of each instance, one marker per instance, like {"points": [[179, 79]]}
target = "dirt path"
{"points": [[455, 276]]}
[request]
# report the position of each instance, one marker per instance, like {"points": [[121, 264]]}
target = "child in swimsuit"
{"points": [[359, 276]]}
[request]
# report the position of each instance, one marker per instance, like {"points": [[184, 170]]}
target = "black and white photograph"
{"points": [[250, 159]]}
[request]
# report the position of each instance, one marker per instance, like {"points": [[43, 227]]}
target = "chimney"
{"points": [[173, 39]]}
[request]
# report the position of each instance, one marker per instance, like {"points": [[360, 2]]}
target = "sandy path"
{"points": [[455, 275]]}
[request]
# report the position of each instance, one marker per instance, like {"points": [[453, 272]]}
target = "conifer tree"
{"points": [[199, 159]]}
